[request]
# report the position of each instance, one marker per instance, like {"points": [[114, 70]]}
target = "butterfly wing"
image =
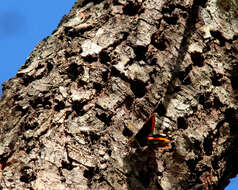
{"points": [[140, 139]]}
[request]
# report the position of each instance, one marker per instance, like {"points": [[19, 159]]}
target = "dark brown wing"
{"points": [[140, 139]]}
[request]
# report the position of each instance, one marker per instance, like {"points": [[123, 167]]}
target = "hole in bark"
{"points": [[140, 52], [90, 58], [49, 66], [204, 100], [85, 2], [27, 175], [184, 15], [218, 35], [94, 137], [46, 102], [208, 105], [29, 148], [106, 6], [67, 114], [192, 164], [172, 20], [234, 82], [154, 61], [104, 57], [17, 97], [206, 49], [41, 101], [128, 102], [138, 88], [216, 79], [173, 89], [161, 43], [109, 152], [231, 116], [116, 73], [187, 81], [73, 32], [30, 126], [69, 31], [69, 54], [197, 59], [72, 71], [27, 178], [207, 146], [181, 123], [59, 106], [39, 66], [97, 87], [188, 68], [20, 109], [203, 3], [127, 132], [66, 165], [89, 173], [168, 9], [105, 76], [26, 79], [194, 108], [81, 83], [78, 107], [161, 110], [104, 118], [181, 75], [217, 103], [131, 9]]}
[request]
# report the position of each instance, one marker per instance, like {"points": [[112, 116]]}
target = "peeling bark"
{"points": [[65, 116]]}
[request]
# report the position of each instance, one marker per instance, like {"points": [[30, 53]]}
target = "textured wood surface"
{"points": [[64, 116]]}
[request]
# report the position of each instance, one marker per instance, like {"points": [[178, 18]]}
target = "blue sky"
{"points": [[23, 24]]}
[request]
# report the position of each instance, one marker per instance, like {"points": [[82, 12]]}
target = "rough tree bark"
{"points": [[64, 116]]}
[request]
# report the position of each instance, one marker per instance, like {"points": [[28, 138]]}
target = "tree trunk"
{"points": [[67, 116]]}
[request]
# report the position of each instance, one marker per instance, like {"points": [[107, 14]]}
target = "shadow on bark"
{"points": [[189, 29], [142, 170], [142, 165]]}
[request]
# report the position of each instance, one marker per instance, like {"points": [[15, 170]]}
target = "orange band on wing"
{"points": [[158, 138], [165, 147]]}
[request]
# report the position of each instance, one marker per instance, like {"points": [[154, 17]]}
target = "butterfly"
{"points": [[148, 135]]}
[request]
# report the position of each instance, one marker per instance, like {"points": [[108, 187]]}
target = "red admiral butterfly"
{"points": [[148, 135]]}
